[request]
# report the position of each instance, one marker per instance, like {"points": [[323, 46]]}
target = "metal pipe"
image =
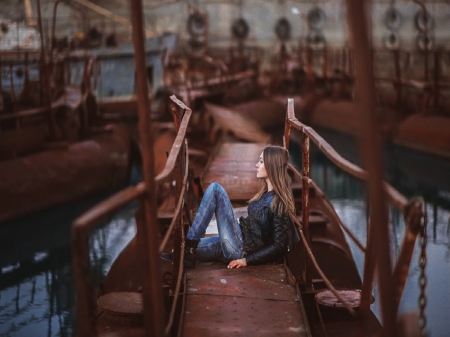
{"points": [[41, 33], [371, 155], [287, 125], [85, 307], [152, 295], [414, 218], [305, 205]]}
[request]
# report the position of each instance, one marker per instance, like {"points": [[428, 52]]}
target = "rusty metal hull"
{"points": [[430, 134], [333, 255], [253, 301], [55, 176]]}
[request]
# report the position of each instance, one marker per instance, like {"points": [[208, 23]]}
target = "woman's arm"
{"points": [[276, 250]]}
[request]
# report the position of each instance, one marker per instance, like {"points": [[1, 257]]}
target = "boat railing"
{"points": [[175, 173], [413, 210], [61, 79]]}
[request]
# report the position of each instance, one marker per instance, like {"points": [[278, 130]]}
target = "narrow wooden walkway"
{"points": [[234, 168], [251, 301]]}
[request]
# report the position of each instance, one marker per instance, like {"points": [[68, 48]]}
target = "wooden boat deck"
{"points": [[255, 300], [233, 167]]}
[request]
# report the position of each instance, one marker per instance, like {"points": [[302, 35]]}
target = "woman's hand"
{"points": [[240, 263]]}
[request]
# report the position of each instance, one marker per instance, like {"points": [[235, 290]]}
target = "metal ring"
{"points": [[283, 29], [196, 24], [316, 18], [240, 28], [392, 41], [419, 20], [316, 41], [422, 44], [393, 19]]}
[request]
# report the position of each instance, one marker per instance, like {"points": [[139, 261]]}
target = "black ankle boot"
{"points": [[167, 256], [190, 253], [190, 249]]}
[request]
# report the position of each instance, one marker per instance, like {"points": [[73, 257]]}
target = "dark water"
{"points": [[413, 174], [36, 284]]}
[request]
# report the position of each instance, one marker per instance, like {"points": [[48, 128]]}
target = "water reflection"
{"points": [[37, 293]]}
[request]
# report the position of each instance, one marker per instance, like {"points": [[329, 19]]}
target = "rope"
{"points": [[324, 278], [321, 319]]}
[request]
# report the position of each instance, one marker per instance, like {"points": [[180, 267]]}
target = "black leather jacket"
{"points": [[279, 236]]}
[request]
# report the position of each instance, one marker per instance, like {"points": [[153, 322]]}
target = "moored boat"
{"points": [[130, 299]]}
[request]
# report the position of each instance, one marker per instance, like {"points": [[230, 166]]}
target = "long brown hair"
{"points": [[275, 161]]}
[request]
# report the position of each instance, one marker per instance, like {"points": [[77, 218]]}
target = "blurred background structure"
{"points": [[69, 124]]}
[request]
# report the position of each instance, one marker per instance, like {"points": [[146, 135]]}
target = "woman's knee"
{"points": [[215, 187]]}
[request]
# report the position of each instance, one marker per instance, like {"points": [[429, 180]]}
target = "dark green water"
{"points": [[36, 284]]}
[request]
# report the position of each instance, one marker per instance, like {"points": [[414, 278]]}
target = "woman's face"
{"points": [[261, 172]]}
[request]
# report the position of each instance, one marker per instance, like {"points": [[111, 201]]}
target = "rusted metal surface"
{"points": [[314, 263], [425, 133], [43, 179], [74, 7], [233, 167], [71, 99], [232, 121], [84, 224], [351, 297], [268, 113], [124, 303], [414, 219], [177, 146], [252, 301], [151, 289], [305, 207], [177, 212], [371, 155]]}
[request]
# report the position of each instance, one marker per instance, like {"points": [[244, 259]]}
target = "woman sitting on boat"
{"points": [[265, 236]]}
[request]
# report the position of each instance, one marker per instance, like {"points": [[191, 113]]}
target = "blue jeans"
{"points": [[228, 245]]}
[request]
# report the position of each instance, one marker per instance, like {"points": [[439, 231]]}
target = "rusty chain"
{"points": [[423, 280]]}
